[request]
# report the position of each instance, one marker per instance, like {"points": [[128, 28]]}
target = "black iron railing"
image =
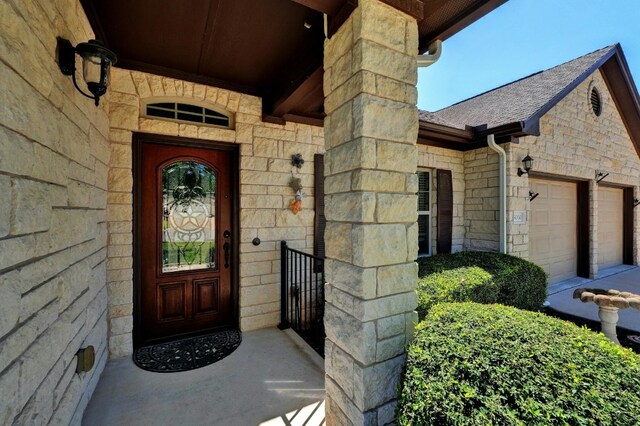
{"points": [[302, 295]]}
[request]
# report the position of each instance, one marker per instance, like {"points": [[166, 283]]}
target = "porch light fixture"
{"points": [[96, 65], [527, 165], [533, 195], [600, 176]]}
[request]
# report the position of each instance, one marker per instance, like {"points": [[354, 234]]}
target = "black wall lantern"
{"points": [[96, 65], [527, 165]]}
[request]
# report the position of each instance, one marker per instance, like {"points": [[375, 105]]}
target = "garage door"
{"points": [[552, 228], [610, 226]]}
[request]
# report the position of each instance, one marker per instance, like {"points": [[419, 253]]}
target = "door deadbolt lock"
{"points": [[226, 234]]}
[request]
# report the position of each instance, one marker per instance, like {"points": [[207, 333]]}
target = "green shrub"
{"points": [[481, 277], [473, 364]]}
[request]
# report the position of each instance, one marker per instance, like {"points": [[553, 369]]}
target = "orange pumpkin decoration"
{"points": [[296, 206]]}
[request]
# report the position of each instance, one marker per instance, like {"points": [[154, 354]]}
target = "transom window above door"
{"points": [[190, 113]]}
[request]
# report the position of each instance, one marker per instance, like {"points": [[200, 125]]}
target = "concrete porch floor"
{"points": [[273, 378], [623, 278]]}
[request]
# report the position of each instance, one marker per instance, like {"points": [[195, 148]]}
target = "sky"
{"points": [[522, 37]]}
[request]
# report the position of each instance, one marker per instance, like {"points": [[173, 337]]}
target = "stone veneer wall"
{"points": [[54, 159], [575, 143], [265, 164], [434, 158], [481, 200]]}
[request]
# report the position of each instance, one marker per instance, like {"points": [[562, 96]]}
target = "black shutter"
{"points": [[318, 247], [445, 210]]}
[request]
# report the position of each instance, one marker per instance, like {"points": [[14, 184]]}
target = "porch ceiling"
{"points": [[256, 47]]}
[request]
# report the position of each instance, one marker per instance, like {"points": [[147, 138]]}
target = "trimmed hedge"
{"points": [[481, 277], [474, 364]]}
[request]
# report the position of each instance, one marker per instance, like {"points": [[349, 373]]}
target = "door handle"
{"points": [[227, 249]]}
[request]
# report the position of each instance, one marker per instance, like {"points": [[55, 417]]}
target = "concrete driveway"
{"points": [[623, 278]]}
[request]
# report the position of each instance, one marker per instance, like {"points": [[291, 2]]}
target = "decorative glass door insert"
{"points": [[188, 217]]}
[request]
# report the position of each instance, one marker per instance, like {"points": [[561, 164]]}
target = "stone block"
{"points": [[350, 333], [397, 278], [357, 281], [339, 126], [378, 181], [120, 180], [369, 393], [337, 183], [258, 322], [257, 218], [120, 345], [121, 81], [369, 310], [381, 60], [378, 245], [354, 207], [391, 326], [151, 125], [389, 348], [338, 242], [5, 205], [394, 208], [123, 116], [384, 119], [397, 157], [30, 207]]}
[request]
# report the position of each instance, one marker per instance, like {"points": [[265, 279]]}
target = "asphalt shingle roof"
{"points": [[516, 101]]}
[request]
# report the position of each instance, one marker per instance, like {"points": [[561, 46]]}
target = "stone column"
{"points": [[371, 235]]}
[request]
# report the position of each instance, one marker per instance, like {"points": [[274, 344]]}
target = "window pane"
{"points": [[154, 112], [223, 121], [213, 113], [189, 117], [190, 108], [423, 234], [188, 217]]}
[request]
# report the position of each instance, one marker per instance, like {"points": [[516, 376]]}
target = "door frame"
{"points": [[627, 220], [140, 138]]}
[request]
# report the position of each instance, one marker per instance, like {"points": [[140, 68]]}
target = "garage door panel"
{"points": [[610, 227], [553, 227]]}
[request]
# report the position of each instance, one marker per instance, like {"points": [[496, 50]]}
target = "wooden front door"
{"points": [[185, 240]]}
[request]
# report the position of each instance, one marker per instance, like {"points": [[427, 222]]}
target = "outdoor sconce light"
{"points": [[527, 165], [96, 64], [533, 195], [600, 176]]}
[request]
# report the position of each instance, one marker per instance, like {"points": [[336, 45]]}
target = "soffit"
{"points": [[259, 47]]}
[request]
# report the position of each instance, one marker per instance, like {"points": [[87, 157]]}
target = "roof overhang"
{"points": [[262, 48], [618, 79]]}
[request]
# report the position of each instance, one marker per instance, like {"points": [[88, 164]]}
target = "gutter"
{"points": [[491, 141]]}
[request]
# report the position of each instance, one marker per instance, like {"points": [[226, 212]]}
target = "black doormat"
{"points": [[187, 354]]}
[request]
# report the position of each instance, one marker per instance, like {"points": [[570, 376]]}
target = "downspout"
{"points": [[491, 141]]}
